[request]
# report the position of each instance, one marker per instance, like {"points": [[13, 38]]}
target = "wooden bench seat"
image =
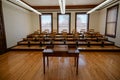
{"points": [[100, 42]]}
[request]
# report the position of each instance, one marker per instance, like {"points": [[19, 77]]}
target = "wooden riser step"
{"points": [[81, 48]]}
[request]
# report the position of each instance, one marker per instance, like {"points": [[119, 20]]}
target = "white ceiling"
{"points": [[68, 2]]}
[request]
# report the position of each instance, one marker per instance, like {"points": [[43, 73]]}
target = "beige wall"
{"points": [[72, 21], [17, 23], [54, 20], [102, 23], [35, 21], [94, 21], [102, 20]]}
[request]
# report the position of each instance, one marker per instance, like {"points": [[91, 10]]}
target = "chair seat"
{"points": [[74, 51], [48, 51]]}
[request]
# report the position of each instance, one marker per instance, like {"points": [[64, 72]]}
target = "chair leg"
{"points": [[77, 65], [75, 61], [44, 64]]}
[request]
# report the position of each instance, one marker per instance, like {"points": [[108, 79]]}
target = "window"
{"points": [[46, 22], [81, 22], [111, 21], [63, 23]]}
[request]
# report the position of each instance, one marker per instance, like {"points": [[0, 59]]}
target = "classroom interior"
{"points": [[33, 32]]}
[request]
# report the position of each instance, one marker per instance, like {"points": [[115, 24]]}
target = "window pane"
{"points": [[46, 22], [112, 15], [111, 29], [81, 22], [63, 23]]}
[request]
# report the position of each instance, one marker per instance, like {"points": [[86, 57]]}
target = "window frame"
{"points": [[106, 27], [76, 20], [58, 21], [41, 21]]}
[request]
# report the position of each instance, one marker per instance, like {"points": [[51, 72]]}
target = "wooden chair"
{"points": [[91, 30], [82, 31], [73, 31], [76, 38], [64, 30], [54, 31], [52, 37], [47, 31], [64, 34]]}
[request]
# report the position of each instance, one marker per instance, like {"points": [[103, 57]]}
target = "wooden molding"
{"points": [[67, 7], [26, 3]]}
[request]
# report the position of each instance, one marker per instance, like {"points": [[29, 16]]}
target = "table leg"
{"points": [[75, 61], [77, 65], [44, 64], [47, 61]]}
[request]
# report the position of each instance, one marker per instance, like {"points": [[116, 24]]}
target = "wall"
{"points": [[17, 23], [54, 20], [93, 21], [102, 22], [35, 22]]}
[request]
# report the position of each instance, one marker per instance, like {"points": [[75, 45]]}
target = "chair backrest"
{"points": [[82, 31], [54, 31], [64, 34], [91, 30], [36, 32], [64, 30], [47, 30], [76, 36], [52, 35], [73, 31]]}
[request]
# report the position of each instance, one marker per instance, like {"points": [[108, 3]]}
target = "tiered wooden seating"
{"points": [[45, 38]]}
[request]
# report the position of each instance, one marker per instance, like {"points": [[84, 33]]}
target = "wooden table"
{"points": [[61, 51]]}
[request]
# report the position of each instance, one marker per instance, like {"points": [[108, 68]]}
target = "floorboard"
{"points": [[27, 65]]}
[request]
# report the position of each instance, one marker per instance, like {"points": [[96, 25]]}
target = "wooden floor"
{"points": [[27, 65]]}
